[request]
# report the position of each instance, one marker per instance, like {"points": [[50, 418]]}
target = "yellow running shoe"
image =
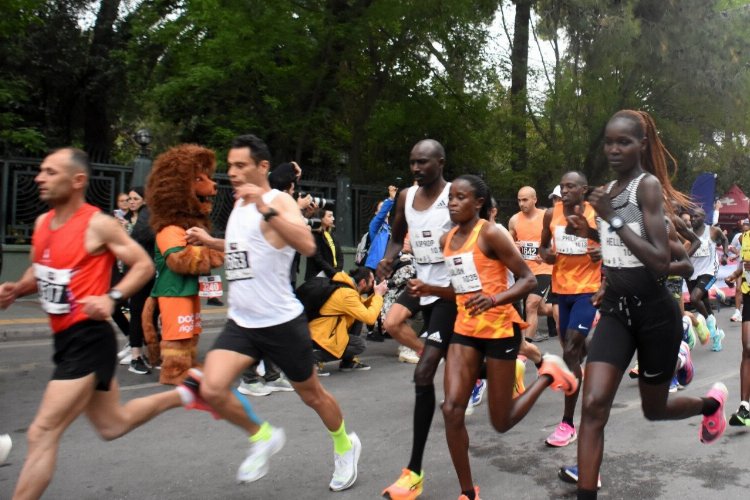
{"points": [[407, 487], [702, 329], [518, 386]]}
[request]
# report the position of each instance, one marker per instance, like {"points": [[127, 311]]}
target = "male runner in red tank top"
{"points": [[73, 249]]}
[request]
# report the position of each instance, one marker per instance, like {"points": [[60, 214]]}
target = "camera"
{"points": [[319, 201], [313, 222]]}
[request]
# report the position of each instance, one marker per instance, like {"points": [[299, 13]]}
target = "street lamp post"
{"points": [[344, 213], [142, 163]]}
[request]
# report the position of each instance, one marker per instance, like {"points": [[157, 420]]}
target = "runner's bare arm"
{"points": [[199, 236], [11, 290], [687, 234], [545, 246], [419, 288], [289, 224], [512, 226]]}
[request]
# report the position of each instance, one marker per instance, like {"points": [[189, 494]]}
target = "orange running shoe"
{"points": [[562, 378], [407, 487]]}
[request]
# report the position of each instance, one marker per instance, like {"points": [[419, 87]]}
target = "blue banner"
{"points": [[703, 193]]}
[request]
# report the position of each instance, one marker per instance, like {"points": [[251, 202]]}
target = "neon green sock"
{"points": [[263, 434], [341, 441]]}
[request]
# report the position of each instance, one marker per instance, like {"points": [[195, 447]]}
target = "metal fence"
{"points": [[20, 204]]}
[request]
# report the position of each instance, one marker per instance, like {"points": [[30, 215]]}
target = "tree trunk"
{"points": [[519, 59]]}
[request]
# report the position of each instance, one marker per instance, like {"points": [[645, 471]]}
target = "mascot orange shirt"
{"points": [[180, 193]]}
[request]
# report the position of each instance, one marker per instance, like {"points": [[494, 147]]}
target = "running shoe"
{"points": [[674, 386], [736, 317], [563, 435], [406, 355], [192, 383], [255, 465], [562, 378], [717, 339], [257, 388], [407, 487], [701, 329], [569, 474], [518, 385], [713, 425], [6, 444], [125, 360], [742, 417], [685, 374], [355, 365], [478, 392], [345, 466], [124, 351], [633, 373], [711, 325], [279, 385], [138, 366], [321, 368], [688, 332]]}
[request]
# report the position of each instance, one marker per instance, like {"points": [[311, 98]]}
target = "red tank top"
{"points": [[471, 272], [65, 272]]}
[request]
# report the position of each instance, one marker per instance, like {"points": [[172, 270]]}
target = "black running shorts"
{"points": [[543, 285], [288, 345], [505, 348], [409, 301], [86, 347], [745, 307], [652, 326], [439, 320]]}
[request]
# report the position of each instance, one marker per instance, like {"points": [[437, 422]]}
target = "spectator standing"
{"points": [[328, 258], [380, 230]]}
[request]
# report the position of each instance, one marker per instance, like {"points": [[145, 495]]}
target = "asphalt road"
{"points": [[187, 455]]}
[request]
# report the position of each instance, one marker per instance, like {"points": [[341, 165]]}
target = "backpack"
{"points": [[315, 292], [363, 248]]}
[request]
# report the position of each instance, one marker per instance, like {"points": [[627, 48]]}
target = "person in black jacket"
{"points": [[328, 259]]}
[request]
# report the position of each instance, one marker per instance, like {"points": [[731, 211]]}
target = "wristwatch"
{"points": [[616, 223], [116, 295], [270, 214]]}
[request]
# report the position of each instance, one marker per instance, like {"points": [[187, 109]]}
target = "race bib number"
{"points": [[529, 249], [569, 244], [463, 273], [52, 285], [210, 286], [425, 244], [237, 261], [614, 251]]}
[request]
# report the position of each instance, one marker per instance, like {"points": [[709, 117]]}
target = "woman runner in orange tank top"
{"points": [[477, 255]]}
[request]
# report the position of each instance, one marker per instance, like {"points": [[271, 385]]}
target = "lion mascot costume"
{"points": [[180, 193]]}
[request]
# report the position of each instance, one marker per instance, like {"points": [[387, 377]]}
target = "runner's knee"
{"points": [[453, 414]]}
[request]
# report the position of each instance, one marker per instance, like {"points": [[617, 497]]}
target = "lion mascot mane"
{"points": [[180, 193]]}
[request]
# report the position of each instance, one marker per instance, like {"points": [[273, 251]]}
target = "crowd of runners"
{"points": [[605, 266]]}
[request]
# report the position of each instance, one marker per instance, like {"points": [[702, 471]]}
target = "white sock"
{"points": [[745, 404], [186, 395]]}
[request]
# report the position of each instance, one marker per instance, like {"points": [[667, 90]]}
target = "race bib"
{"points": [[703, 250], [210, 286], [463, 273], [237, 261], [529, 249], [52, 285], [569, 244], [425, 244], [614, 251]]}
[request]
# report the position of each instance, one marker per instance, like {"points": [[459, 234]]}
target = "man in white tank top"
{"points": [[705, 267], [423, 210], [265, 317]]}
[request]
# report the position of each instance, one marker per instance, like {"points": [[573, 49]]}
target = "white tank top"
{"points": [[704, 259], [425, 229], [260, 293]]}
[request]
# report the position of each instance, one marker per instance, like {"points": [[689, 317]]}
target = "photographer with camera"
{"points": [[328, 259]]}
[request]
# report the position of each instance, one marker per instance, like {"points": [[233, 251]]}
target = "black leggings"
{"points": [[137, 302]]}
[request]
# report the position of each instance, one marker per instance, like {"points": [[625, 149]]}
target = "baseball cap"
{"points": [[555, 192]]}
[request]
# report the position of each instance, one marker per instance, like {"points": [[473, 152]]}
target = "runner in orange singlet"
{"points": [[487, 325], [73, 249], [576, 276]]}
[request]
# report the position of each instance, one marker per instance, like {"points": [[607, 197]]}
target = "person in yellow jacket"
{"points": [[334, 331]]}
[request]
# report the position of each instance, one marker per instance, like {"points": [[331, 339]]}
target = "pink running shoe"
{"points": [[192, 383], [563, 435], [685, 374], [713, 425]]}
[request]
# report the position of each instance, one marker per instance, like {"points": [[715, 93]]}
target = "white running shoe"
{"points": [[5, 446], [345, 466], [736, 317], [407, 355], [257, 388], [124, 351], [126, 359], [255, 466], [279, 385]]}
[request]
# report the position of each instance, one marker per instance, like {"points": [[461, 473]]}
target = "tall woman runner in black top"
{"points": [[637, 312]]}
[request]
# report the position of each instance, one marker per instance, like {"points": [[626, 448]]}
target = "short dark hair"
{"points": [[360, 273], [282, 177], [78, 158], [258, 149]]}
